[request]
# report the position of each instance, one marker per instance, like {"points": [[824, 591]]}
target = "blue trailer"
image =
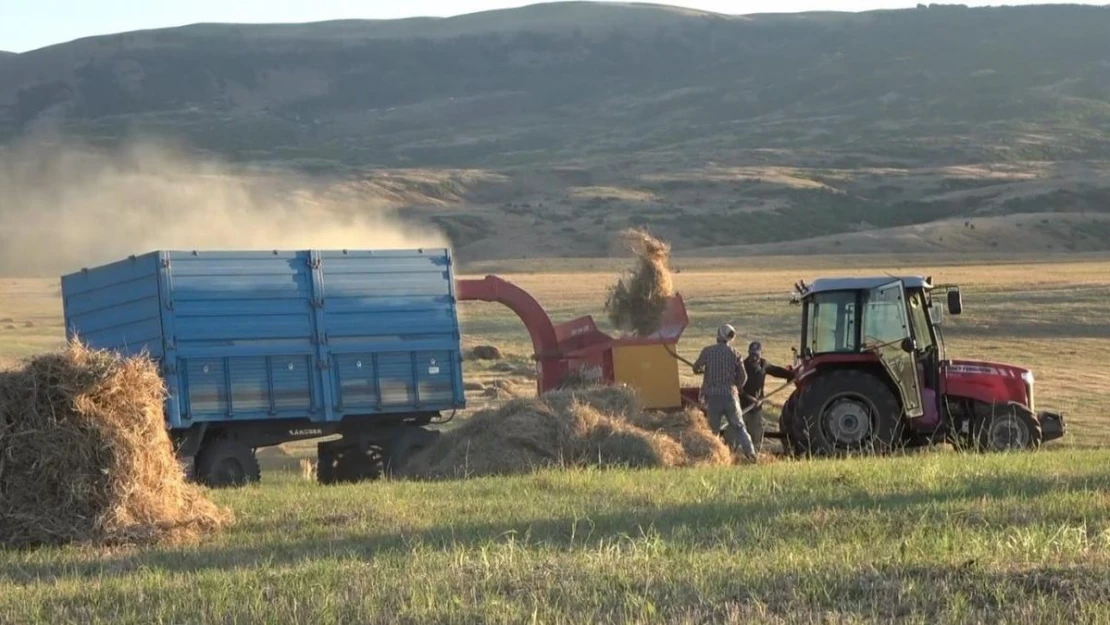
{"points": [[261, 348]]}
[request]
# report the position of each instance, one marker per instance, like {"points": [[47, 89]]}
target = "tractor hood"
{"points": [[989, 382], [982, 367]]}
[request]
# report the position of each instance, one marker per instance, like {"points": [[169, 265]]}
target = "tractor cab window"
{"points": [[884, 317], [919, 319], [831, 322]]}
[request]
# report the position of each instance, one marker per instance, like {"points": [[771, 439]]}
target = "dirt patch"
{"points": [[86, 457], [637, 301], [600, 426]]}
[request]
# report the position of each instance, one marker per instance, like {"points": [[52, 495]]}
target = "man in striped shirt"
{"points": [[723, 374]]}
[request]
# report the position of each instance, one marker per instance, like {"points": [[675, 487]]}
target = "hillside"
{"points": [[715, 130]]}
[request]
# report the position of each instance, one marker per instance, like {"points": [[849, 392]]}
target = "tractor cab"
{"points": [[871, 373], [884, 320]]}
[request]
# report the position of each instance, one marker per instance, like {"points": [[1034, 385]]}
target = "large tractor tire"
{"points": [[226, 462], [846, 411], [1003, 427]]}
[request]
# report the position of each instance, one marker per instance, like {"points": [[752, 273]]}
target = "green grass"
{"points": [[941, 537]]}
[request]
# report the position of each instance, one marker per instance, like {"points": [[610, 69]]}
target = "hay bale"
{"points": [[597, 426], [690, 429], [502, 389], [86, 457], [637, 301], [485, 352]]}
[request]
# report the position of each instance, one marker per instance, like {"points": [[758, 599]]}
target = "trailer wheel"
{"points": [[1001, 428], [347, 461], [325, 464], [226, 462], [348, 464], [845, 411]]}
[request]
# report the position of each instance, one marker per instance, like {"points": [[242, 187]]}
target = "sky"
{"points": [[30, 24]]}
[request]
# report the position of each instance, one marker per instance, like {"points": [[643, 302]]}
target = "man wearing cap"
{"points": [[722, 371], [756, 369]]}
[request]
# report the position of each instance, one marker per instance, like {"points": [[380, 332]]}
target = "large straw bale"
{"points": [[85, 456], [593, 426]]}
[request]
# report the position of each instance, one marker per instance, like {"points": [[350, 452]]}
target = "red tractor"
{"points": [[873, 377]]}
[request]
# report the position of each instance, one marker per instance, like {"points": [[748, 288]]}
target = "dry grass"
{"points": [[85, 456], [600, 426], [636, 302]]}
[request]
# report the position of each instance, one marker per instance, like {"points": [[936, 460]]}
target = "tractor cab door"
{"points": [[886, 333]]}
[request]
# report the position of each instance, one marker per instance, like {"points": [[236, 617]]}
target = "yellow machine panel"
{"points": [[651, 370]]}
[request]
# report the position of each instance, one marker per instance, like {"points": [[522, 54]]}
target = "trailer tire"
{"points": [[226, 462], [325, 465], [1002, 427], [354, 464], [848, 411]]}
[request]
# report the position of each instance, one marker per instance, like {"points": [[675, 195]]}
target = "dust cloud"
{"points": [[67, 205]]}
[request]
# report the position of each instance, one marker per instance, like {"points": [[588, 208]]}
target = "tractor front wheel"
{"points": [[1006, 428], [845, 411]]}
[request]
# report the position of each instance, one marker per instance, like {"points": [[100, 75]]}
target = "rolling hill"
{"points": [[714, 130]]}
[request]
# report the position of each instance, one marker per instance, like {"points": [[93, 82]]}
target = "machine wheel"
{"points": [[336, 464], [1006, 428], [847, 411], [325, 464], [226, 462]]}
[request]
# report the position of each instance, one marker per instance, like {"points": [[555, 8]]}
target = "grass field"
{"points": [[936, 537], [989, 540]]}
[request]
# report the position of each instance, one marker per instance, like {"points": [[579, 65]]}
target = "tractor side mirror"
{"points": [[909, 345], [955, 302]]}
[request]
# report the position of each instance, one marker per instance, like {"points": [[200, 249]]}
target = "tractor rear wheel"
{"points": [[845, 411], [1006, 428]]}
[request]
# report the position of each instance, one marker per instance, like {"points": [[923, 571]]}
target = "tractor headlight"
{"points": [[1028, 377]]}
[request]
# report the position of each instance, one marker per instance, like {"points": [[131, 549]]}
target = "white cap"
{"points": [[726, 333]]}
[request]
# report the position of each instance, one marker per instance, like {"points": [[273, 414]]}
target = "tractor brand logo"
{"points": [[973, 369], [307, 432]]}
